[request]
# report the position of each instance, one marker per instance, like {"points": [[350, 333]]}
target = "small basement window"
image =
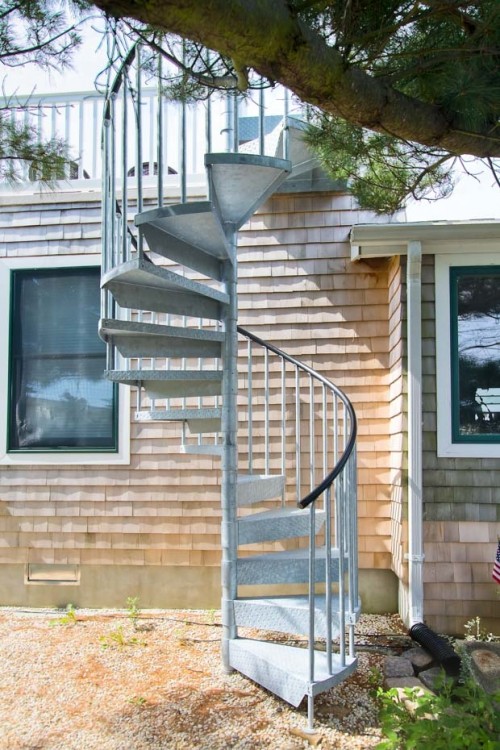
{"points": [[53, 573]]}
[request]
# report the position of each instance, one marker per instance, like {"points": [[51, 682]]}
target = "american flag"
{"points": [[496, 567]]}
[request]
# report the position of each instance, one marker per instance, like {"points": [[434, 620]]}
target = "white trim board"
{"points": [[384, 240], [446, 448]]}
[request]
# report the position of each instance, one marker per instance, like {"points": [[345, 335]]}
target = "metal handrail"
{"points": [[339, 506], [328, 480]]}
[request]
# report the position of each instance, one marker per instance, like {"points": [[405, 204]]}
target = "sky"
{"points": [[473, 197]]}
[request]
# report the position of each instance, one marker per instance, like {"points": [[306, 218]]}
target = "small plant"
{"points": [[118, 639], [137, 700], [474, 631], [69, 617], [134, 611], [459, 717]]}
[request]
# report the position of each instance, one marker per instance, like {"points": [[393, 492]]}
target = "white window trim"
{"points": [[51, 458], [446, 448]]}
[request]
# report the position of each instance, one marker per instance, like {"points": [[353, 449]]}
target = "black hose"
{"points": [[441, 650]]}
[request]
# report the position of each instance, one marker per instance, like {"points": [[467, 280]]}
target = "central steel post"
{"points": [[229, 530]]}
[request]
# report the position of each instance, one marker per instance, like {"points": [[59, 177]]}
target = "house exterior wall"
{"points": [[150, 527], [461, 508]]}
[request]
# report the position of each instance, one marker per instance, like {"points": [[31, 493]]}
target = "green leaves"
{"points": [[458, 718], [21, 151]]}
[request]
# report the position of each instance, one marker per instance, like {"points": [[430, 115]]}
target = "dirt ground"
{"points": [[97, 680]]}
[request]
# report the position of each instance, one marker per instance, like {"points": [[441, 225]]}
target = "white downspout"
{"points": [[415, 555]]}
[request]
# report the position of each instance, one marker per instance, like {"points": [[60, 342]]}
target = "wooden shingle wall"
{"points": [[158, 519], [461, 510], [300, 290]]}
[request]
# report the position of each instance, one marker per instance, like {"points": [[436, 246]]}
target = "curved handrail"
{"points": [[328, 480], [118, 80]]}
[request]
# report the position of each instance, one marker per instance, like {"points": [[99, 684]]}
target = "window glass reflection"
{"points": [[476, 352]]}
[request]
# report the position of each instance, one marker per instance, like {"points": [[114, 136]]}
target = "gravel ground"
{"points": [[98, 683]]}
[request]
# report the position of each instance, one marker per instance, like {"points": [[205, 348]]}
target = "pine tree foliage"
{"points": [[402, 89], [22, 153], [44, 32]]}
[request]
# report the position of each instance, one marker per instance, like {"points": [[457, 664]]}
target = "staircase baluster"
{"points": [[138, 168], [297, 433], [312, 608], [351, 493], [208, 119], [229, 123], [250, 405], [183, 147], [283, 426], [328, 578], [328, 534], [335, 460], [159, 141], [112, 185], [312, 452], [236, 128], [125, 238], [266, 411], [152, 157], [262, 132], [339, 508]]}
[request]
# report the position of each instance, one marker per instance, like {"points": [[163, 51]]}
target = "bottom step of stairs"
{"points": [[284, 670], [289, 614]]}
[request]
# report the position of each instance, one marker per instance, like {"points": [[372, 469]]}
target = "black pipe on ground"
{"points": [[437, 647]]}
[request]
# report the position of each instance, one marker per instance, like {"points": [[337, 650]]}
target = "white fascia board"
{"points": [[385, 240]]}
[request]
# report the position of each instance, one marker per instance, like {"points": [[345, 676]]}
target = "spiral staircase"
{"points": [[169, 319]]}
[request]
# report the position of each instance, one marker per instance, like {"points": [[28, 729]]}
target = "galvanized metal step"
{"points": [[289, 614], [287, 566], [171, 383], [284, 670], [198, 426], [242, 182], [187, 233], [253, 488], [141, 285], [198, 420], [137, 339], [202, 449], [283, 523]]}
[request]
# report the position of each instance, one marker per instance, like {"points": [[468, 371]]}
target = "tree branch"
{"points": [[267, 37]]}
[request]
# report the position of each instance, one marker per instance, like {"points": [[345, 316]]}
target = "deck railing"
{"points": [[174, 135]]}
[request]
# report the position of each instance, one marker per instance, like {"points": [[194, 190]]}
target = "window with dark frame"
{"points": [[59, 397], [475, 353]]}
